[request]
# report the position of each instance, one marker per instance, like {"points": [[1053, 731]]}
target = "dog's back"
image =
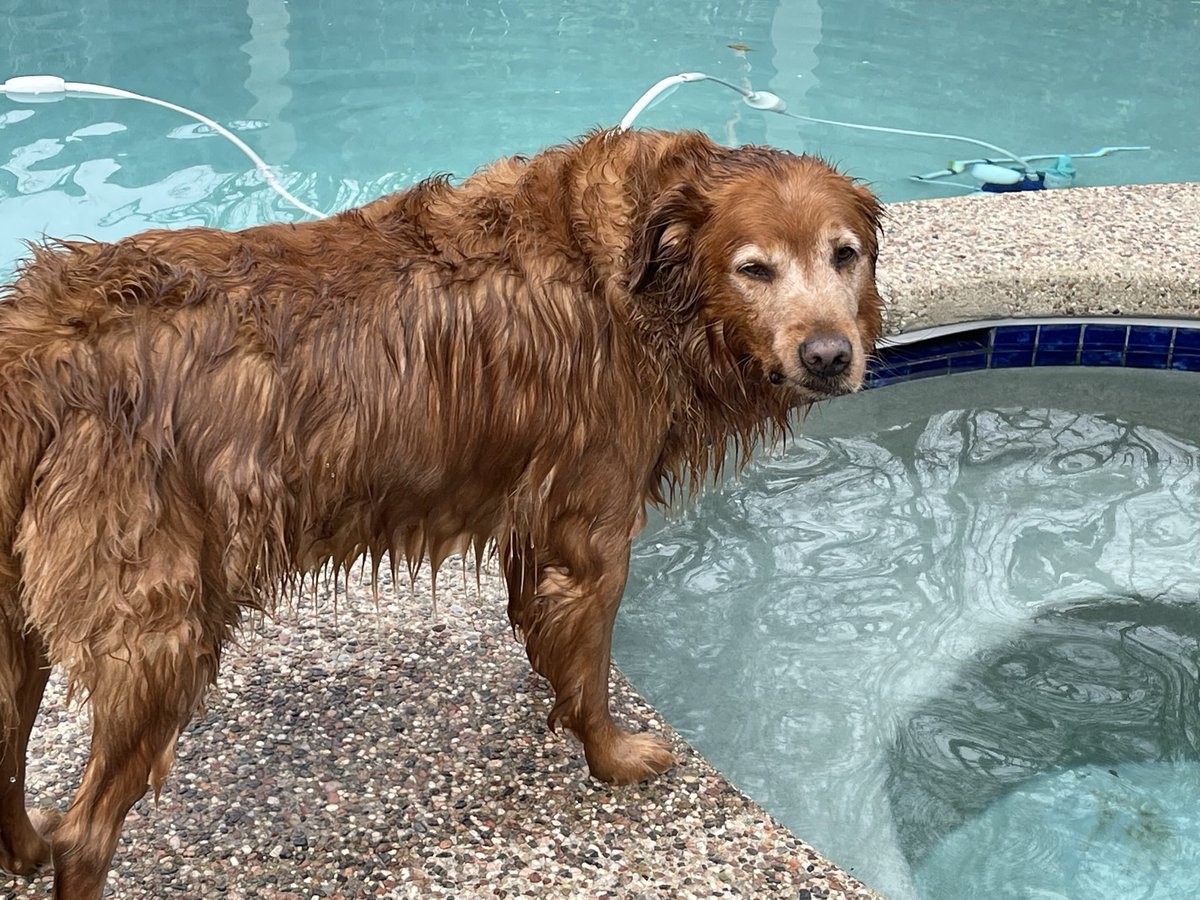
{"points": [[306, 392], [190, 419]]}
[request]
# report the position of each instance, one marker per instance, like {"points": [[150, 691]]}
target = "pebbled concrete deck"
{"points": [[1129, 251]]}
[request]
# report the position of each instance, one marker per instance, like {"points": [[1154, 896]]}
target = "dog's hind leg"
{"points": [[563, 600], [141, 699], [112, 554], [23, 674]]}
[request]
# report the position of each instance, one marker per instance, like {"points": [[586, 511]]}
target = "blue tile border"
{"points": [[1022, 343]]}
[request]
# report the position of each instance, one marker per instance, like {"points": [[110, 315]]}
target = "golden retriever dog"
{"points": [[192, 421]]}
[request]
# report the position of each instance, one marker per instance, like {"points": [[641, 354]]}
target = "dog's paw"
{"points": [[32, 854], [624, 758]]}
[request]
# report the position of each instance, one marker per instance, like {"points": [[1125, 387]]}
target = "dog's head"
{"points": [[774, 254]]}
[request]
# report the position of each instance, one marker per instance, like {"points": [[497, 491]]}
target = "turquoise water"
{"points": [[351, 100], [951, 635]]}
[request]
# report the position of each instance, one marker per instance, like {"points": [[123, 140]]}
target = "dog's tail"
{"points": [[59, 325], [34, 349], [52, 318]]}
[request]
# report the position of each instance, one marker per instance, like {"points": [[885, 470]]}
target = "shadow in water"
{"points": [[1060, 762]]}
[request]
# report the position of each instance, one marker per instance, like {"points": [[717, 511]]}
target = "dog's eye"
{"points": [[757, 271], [844, 255]]}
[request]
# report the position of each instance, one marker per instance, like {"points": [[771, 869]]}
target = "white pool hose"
{"points": [[768, 102], [47, 88]]}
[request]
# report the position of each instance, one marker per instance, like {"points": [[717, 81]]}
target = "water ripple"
{"points": [[883, 635]]}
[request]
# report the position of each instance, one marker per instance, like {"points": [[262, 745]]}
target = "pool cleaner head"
{"points": [[996, 179]]}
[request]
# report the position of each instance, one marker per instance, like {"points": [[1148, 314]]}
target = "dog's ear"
{"points": [[665, 236]]}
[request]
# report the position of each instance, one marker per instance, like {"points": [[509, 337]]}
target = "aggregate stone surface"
{"points": [[381, 749]]}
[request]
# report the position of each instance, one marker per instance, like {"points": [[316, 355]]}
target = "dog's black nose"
{"points": [[826, 355]]}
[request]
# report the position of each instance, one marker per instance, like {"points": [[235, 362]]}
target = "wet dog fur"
{"points": [[192, 420]]}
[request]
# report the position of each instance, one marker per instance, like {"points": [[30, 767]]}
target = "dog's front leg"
{"points": [[563, 600]]}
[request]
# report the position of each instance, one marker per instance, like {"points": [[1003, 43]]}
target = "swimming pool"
{"points": [[353, 100], [350, 103], [951, 635]]}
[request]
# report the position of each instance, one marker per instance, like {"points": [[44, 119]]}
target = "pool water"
{"points": [[351, 100], [951, 634]]}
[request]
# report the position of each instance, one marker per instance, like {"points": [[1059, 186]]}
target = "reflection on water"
{"points": [[83, 185], [930, 600]]}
